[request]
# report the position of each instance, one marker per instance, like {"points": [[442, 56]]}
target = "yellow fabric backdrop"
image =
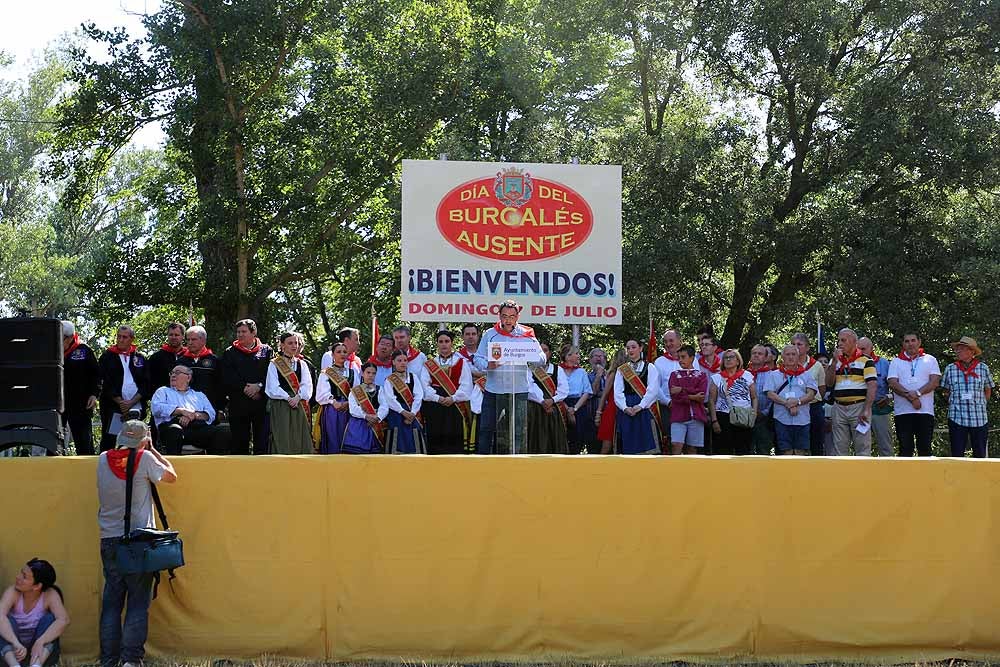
{"points": [[687, 557]]}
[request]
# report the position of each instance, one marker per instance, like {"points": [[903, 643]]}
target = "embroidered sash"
{"points": [[379, 427], [444, 381], [285, 368], [339, 381], [549, 387], [634, 381]]}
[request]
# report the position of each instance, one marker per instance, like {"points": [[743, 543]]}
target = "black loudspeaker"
{"points": [[31, 383], [31, 340], [27, 387]]}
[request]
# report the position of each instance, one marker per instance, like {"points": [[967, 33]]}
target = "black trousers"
{"points": [[732, 440], [108, 410], [246, 417], [914, 427], [81, 426], [214, 439]]}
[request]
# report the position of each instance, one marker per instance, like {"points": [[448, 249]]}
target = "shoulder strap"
{"points": [[159, 507], [129, 478]]}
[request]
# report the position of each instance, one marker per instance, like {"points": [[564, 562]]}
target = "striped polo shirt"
{"points": [[852, 380]]}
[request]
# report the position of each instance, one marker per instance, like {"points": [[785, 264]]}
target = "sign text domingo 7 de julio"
{"points": [[546, 235]]}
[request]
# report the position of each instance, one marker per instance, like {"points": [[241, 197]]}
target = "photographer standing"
{"points": [[124, 643]]}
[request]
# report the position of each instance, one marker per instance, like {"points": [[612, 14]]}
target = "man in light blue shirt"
{"points": [[184, 416], [506, 391]]}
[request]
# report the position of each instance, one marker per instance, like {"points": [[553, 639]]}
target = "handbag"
{"points": [[739, 416], [145, 550]]}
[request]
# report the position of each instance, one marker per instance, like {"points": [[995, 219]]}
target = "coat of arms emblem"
{"points": [[513, 187]]}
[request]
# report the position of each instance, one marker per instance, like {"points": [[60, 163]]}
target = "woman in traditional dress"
{"points": [[637, 384], [546, 417], [365, 432], [447, 389], [403, 392], [579, 414], [288, 388], [332, 390], [604, 417]]}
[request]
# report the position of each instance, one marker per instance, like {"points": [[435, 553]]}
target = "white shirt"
{"points": [[536, 394], [387, 396], [167, 399], [665, 367], [913, 375], [324, 387], [464, 390], [652, 386], [739, 393], [355, 408], [129, 388], [273, 389]]}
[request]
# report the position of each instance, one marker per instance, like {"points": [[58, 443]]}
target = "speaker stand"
{"points": [[39, 427]]}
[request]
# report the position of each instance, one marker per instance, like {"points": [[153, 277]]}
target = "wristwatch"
{"points": [[918, 393]]}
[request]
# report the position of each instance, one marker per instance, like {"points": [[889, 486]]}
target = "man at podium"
{"points": [[504, 353]]}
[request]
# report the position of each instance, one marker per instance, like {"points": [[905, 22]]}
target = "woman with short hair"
{"points": [[731, 386]]}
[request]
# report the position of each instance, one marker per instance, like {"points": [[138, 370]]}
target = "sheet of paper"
{"points": [[116, 424], [863, 427]]}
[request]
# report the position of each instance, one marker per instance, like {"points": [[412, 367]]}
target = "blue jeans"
{"points": [[44, 622], [495, 434], [963, 436], [131, 592]]}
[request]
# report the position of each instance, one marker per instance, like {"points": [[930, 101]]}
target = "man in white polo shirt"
{"points": [[913, 377]]}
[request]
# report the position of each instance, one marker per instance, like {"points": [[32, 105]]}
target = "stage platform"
{"points": [[528, 558]]}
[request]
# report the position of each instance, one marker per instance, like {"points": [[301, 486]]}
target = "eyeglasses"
{"points": [[179, 373]]}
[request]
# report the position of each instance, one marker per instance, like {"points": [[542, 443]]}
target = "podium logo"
{"points": [[515, 217], [496, 351]]}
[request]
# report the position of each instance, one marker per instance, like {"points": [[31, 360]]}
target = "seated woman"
{"points": [[403, 392], [32, 616], [365, 432]]}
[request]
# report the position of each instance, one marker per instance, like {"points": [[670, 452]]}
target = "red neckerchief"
{"points": [[118, 461], [794, 373], [569, 369], [670, 356], [412, 354], [763, 369], [248, 350], [844, 362], [714, 368], [351, 359], [374, 360], [970, 371], [192, 355], [177, 351], [877, 358], [465, 353], [811, 363], [114, 348], [528, 331], [731, 379], [905, 357], [72, 346]]}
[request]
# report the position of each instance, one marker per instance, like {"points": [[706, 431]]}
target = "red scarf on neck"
{"points": [[381, 364], [970, 371], [118, 461], [794, 373], [731, 379], [196, 355], [763, 368], [876, 358], [528, 331], [844, 362], [669, 356], [568, 368], [176, 350], [114, 348], [714, 368], [72, 346], [248, 350], [905, 357]]}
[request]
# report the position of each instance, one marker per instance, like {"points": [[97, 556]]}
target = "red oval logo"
{"points": [[515, 217]]}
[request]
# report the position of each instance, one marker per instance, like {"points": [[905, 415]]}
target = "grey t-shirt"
{"points": [[111, 494]]}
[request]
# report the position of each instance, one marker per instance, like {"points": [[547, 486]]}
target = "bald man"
{"points": [[853, 378]]}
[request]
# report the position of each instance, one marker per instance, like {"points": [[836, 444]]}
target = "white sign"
{"points": [[515, 352], [545, 235]]}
